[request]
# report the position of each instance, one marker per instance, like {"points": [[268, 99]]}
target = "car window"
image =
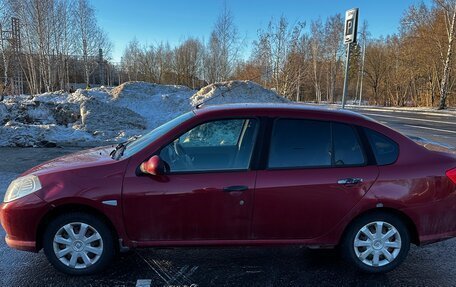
{"points": [[347, 147], [216, 145], [385, 150], [300, 143], [156, 133], [218, 133]]}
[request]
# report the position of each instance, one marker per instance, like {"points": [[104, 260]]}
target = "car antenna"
{"points": [[199, 105]]}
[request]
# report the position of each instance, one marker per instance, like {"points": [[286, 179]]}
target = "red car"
{"points": [[246, 174]]}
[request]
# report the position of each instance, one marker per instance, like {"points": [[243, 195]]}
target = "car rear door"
{"points": [[317, 172]]}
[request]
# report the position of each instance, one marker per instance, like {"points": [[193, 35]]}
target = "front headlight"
{"points": [[21, 187]]}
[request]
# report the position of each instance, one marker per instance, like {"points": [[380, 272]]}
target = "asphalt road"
{"points": [[431, 265], [431, 126]]}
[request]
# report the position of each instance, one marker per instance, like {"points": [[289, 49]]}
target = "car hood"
{"points": [[82, 159]]}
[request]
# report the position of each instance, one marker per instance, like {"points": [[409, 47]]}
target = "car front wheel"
{"points": [[78, 244], [376, 243]]}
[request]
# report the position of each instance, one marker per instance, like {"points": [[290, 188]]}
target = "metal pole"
{"points": [[347, 66], [362, 73]]}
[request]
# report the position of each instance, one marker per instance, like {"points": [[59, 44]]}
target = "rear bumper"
{"points": [[435, 221], [20, 219]]}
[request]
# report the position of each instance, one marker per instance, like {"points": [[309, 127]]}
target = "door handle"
{"points": [[235, 188], [351, 180]]}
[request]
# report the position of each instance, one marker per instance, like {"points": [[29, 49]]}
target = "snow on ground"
{"points": [[235, 92], [157, 104], [107, 115]]}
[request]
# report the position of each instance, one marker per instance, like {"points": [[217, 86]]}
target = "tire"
{"points": [[370, 247], [84, 254]]}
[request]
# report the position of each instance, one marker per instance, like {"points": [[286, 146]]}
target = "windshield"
{"points": [[137, 145]]}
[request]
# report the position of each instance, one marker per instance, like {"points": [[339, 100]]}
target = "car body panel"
{"points": [[84, 179], [188, 206], [201, 213], [306, 203], [21, 218], [93, 157]]}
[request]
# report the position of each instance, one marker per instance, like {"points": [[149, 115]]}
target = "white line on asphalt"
{"points": [[151, 267], [162, 268], [412, 119], [433, 129], [415, 112], [143, 283]]}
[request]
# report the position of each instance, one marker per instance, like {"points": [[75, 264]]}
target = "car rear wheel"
{"points": [[376, 243], [78, 244]]}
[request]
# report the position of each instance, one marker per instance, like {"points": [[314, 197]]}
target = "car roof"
{"points": [[280, 109]]}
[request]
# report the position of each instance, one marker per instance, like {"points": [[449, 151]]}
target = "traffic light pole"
{"points": [[347, 69]]}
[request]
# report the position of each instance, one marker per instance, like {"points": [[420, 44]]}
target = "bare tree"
{"points": [[316, 47], [449, 7], [187, 62], [131, 59], [376, 69], [333, 42], [89, 38], [279, 53], [223, 49]]}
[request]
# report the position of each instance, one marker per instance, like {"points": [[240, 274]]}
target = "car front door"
{"points": [[207, 194], [317, 172]]}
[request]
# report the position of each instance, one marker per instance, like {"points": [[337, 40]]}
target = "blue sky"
{"points": [[153, 21]]}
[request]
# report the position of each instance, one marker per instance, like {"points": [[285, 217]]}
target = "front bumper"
{"points": [[20, 219]]}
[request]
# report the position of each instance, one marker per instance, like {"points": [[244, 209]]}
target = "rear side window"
{"points": [[347, 147], [308, 143], [385, 150], [300, 143]]}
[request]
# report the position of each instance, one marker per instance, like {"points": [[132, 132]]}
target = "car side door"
{"points": [[317, 171], [207, 191]]}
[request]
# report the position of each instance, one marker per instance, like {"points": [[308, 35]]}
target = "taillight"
{"points": [[452, 175]]}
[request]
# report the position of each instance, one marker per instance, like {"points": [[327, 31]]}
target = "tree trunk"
{"points": [[86, 63], [446, 70]]}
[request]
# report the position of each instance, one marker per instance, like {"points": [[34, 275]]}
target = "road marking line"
{"points": [[178, 274], [157, 264], [433, 129], [412, 119], [151, 267], [143, 283], [415, 112], [189, 273]]}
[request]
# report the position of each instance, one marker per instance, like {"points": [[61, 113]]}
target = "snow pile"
{"points": [[101, 118], [235, 92], [156, 103], [104, 115], [85, 117], [28, 121]]}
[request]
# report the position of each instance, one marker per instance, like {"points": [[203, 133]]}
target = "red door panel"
{"points": [[305, 203], [188, 206]]}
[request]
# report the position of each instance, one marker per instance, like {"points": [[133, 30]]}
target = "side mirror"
{"points": [[153, 166]]}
